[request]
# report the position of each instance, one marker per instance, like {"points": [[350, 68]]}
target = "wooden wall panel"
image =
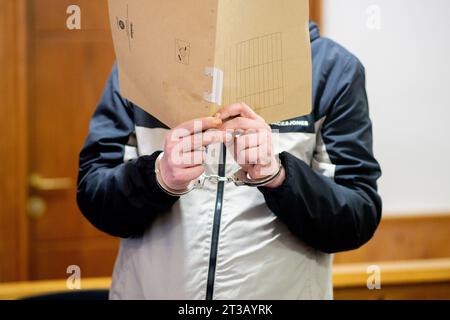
{"points": [[94, 256], [408, 237], [13, 231], [427, 291]]}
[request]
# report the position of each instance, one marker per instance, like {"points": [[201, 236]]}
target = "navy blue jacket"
{"points": [[331, 215]]}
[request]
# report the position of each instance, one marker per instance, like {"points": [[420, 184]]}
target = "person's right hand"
{"points": [[185, 152]]}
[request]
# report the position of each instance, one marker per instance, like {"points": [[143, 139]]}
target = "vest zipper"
{"points": [[216, 227]]}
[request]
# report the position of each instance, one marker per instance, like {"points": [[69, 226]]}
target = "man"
{"points": [[223, 241]]}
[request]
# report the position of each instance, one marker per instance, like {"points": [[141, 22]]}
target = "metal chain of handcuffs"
{"points": [[240, 178]]}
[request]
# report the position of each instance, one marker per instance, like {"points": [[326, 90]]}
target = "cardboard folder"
{"points": [[184, 59]]}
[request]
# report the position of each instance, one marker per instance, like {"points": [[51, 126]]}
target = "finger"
{"points": [[247, 156], [253, 156], [237, 109], [241, 123], [250, 140], [202, 139], [193, 159], [193, 173], [195, 126]]}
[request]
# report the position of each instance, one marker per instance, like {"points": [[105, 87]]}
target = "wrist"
{"points": [[264, 171], [268, 175], [167, 188], [278, 182]]}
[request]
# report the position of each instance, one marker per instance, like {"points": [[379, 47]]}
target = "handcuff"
{"points": [[240, 178]]}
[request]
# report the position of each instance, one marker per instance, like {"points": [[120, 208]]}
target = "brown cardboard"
{"points": [[183, 59]]}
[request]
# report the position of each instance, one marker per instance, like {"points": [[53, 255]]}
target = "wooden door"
{"points": [[67, 70], [13, 222]]}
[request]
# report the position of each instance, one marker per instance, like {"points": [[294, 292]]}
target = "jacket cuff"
{"points": [[146, 170]]}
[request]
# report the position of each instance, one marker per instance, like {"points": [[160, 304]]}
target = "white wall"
{"points": [[407, 65]]}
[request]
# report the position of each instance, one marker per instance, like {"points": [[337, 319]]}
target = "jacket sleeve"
{"points": [[333, 205], [119, 198]]}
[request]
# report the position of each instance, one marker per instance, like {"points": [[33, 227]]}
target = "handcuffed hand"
{"points": [[252, 145], [185, 152]]}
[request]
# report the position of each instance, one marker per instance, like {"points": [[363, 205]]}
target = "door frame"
{"points": [[315, 9]]}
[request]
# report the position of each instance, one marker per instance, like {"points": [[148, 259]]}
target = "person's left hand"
{"points": [[252, 148]]}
